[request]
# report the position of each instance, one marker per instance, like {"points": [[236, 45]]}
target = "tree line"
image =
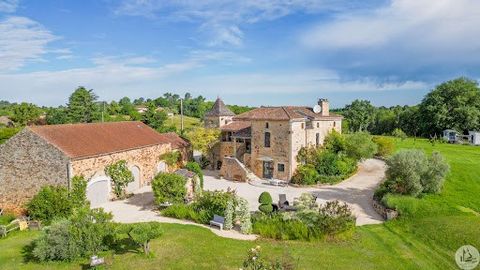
{"points": [[454, 104]]}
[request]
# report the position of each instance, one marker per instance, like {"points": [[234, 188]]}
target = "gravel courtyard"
{"points": [[357, 191]]}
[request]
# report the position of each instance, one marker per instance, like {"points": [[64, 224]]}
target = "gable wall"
{"points": [[27, 162]]}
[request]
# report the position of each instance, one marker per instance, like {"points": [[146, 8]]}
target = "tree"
{"points": [[454, 104], [126, 105], [82, 107], [121, 176], [143, 233], [203, 139], [114, 108], [25, 112], [359, 146], [56, 116], [360, 114], [153, 118], [229, 215]]}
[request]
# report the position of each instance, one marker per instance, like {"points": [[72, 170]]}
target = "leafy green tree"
{"points": [[360, 114], [143, 233], [78, 193], [114, 108], [82, 107], [153, 118], [25, 112], [126, 105], [229, 215], [359, 145], [203, 139], [56, 116], [453, 104], [195, 167], [121, 176]]}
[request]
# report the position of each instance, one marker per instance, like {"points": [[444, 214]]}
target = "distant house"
{"points": [[141, 109], [453, 136], [52, 155], [266, 140], [450, 135], [5, 121]]}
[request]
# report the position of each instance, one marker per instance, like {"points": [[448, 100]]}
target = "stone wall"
{"points": [[232, 169], [216, 121], [383, 211], [27, 163], [279, 147], [146, 159]]}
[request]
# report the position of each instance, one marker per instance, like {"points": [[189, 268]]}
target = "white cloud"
{"points": [[8, 6], [223, 20], [22, 40], [420, 25]]}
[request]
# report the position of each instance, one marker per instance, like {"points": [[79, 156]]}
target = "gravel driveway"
{"points": [[357, 191]]}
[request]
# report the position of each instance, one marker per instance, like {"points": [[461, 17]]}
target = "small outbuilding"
{"points": [[474, 137], [450, 135], [52, 155]]}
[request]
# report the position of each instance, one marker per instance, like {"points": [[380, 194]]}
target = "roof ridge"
{"points": [[84, 124]]}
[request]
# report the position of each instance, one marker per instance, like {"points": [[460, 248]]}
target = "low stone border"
{"points": [[383, 211]]}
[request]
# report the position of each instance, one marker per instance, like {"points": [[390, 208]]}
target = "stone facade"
{"points": [[27, 163], [233, 169], [146, 159], [216, 121]]}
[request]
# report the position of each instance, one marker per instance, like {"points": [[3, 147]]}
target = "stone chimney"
{"points": [[323, 102]]}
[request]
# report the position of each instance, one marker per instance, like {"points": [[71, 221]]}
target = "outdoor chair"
{"points": [[217, 221]]}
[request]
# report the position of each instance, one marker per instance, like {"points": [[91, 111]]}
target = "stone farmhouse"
{"points": [[265, 141], [52, 155]]}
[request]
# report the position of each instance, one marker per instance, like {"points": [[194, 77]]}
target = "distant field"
{"points": [[189, 122], [425, 237]]}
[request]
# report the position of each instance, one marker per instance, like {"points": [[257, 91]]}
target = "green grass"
{"points": [[425, 237], [189, 122]]}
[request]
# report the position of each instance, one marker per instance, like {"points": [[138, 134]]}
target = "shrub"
{"points": [[359, 145], [195, 167], [255, 261], [385, 146], [143, 233], [335, 217], [213, 203], [186, 212], [54, 244], [229, 215], [5, 219], [172, 158], [78, 195], [333, 167], [410, 172], [432, 180], [86, 233], [121, 176], [243, 215], [169, 187], [398, 133], [50, 203], [276, 227], [265, 200], [305, 175], [335, 142], [307, 155]]}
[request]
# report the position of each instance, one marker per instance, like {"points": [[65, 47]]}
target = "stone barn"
{"points": [[52, 155]]}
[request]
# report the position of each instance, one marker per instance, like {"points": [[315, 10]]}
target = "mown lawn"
{"points": [[425, 237]]}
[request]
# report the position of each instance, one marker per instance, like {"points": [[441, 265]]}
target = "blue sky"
{"points": [[248, 52]]}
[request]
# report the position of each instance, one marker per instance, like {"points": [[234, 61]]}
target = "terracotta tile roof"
{"points": [[236, 126], [284, 113], [96, 139], [176, 141], [219, 109]]}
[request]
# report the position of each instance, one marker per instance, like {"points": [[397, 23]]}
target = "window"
{"points": [[281, 167], [318, 125], [334, 123], [267, 139], [317, 139], [267, 125], [303, 125]]}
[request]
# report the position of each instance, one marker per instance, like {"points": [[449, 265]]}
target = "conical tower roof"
{"points": [[219, 109]]}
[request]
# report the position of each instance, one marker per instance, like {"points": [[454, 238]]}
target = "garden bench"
{"points": [[96, 261], [217, 221]]}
